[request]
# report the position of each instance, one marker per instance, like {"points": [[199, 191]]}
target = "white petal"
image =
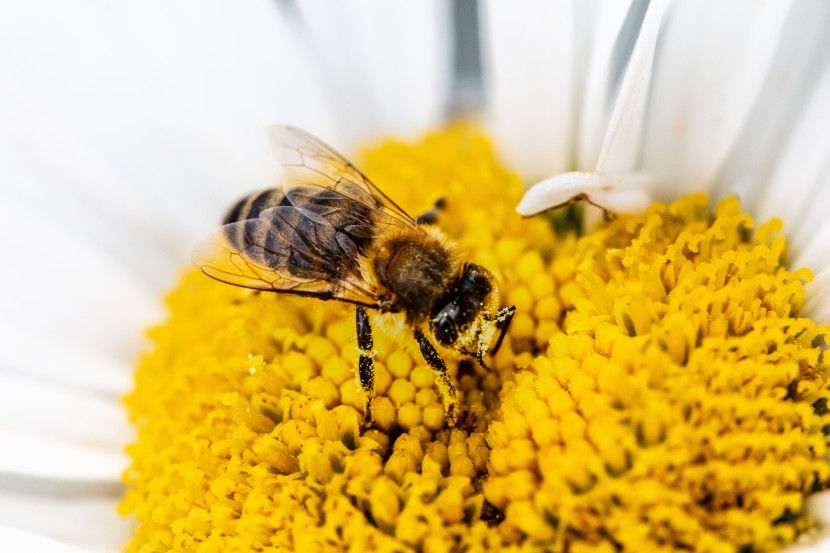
{"points": [[798, 65], [54, 170], [173, 96], [712, 60], [528, 78], [621, 146], [810, 226], [83, 520], [45, 410], [60, 362], [815, 541], [811, 543], [58, 465], [614, 193], [387, 64], [814, 257], [600, 84], [235, 69], [797, 191], [819, 506], [817, 305], [63, 287], [12, 539]]}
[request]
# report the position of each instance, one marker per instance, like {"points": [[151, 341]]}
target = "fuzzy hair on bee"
{"points": [[328, 232]]}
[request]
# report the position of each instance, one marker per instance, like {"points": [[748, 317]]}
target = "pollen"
{"points": [[657, 390]]}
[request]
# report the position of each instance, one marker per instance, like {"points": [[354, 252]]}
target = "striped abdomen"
{"points": [[310, 233], [252, 205]]}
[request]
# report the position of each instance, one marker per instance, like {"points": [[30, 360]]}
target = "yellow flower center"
{"points": [[656, 390]]}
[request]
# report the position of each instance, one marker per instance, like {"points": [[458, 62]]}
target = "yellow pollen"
{"points": [[656, 391]]}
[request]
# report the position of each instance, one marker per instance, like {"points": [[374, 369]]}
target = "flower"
{"points": [[655, 389], [110, 189]]}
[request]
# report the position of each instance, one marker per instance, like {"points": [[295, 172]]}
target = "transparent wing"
{"points": [[290, 250], [308, 162]]}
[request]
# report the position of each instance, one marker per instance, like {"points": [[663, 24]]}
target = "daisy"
{"points": [[127, 129]]}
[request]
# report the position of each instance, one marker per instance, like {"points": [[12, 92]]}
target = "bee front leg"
{"points": [[446, 389], [503, 317], [366, 364]]}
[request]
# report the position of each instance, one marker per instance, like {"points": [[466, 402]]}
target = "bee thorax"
{"points": [[418, 273]]}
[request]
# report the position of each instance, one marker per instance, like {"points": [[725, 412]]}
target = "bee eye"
{"points": [[475, 283], [444, 325]]}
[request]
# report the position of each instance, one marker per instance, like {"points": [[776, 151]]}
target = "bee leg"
{"points": [[480, 351], [366, 365], [446, 389], [504, 317], [431, 217]]}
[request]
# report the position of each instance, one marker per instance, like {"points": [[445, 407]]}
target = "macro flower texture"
{"points": [[645, 181]]}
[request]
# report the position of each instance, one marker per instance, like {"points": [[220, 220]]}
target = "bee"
{"points": [[327, 232]]}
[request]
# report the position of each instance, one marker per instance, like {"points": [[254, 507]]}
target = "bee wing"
{"points": [[307, 161], [290, 250]]}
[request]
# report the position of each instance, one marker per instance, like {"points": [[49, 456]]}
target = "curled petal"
{"points": [[628, 192]]}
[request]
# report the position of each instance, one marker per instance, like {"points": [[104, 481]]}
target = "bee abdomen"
{"points": [[317, 234], [252, 205], [249, 208]]}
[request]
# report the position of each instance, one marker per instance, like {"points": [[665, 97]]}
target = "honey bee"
{"points": [[327, 232]]}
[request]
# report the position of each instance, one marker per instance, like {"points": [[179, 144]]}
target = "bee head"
{"points": [[472, 296]]}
